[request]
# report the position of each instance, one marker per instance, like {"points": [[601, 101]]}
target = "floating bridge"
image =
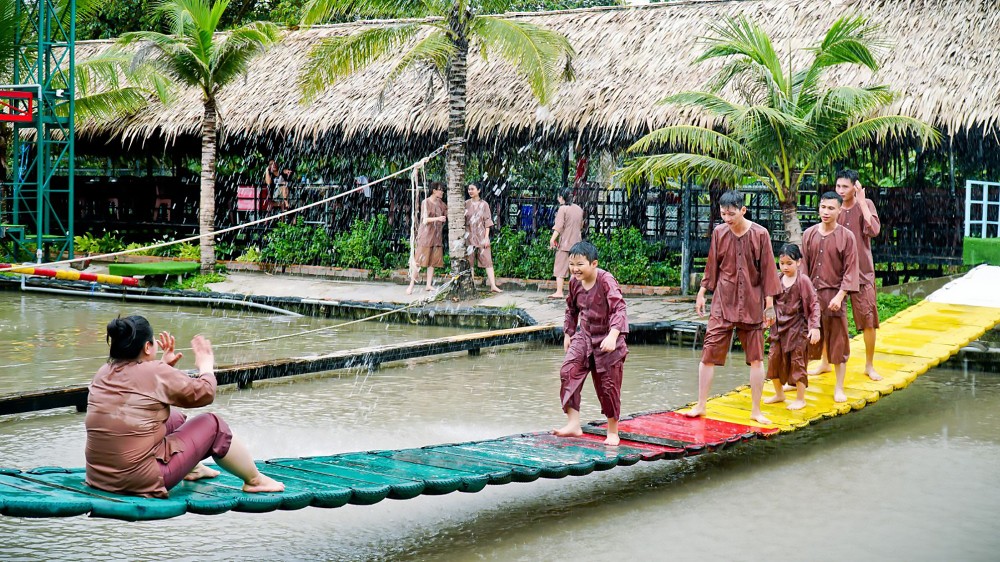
{"points": [[909, 344]]}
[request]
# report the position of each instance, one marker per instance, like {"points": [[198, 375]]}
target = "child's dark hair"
{"points": [[127, 336], [847, 174], [567, 195], [731, 199], [791, 250], [585, 249], [437, 185], [832, 195]]}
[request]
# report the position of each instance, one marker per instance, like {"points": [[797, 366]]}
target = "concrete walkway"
{"points": [[535, 303]]}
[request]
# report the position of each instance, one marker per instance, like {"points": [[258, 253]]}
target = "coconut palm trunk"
{"points": [[206, 210], [455, 163]]}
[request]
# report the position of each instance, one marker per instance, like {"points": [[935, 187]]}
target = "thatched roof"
{"points": [[944, 63]]}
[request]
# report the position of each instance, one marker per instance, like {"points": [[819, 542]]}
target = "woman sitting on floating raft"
{"points": [[136, 442]]}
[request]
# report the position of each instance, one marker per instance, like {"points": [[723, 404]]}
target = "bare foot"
{"points": [[557, 296], [429, 289], [568, 430], [496, 289], [839, 396], [820, 369], [873, 375], [409, 290], [796, 405], [201, 471], [787, 386], [696, 412], [612, 440], [775, 399], [262, 483], [760, 418]]}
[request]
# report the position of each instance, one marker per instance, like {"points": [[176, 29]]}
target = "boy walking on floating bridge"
{"points": [[830, 260], [860, 217], [598, 346], [741, 274]]}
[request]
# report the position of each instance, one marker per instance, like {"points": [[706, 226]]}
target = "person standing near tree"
{"points": [[830, 260], [860, 217], [428, 249], [566, 232], [478, 220]]}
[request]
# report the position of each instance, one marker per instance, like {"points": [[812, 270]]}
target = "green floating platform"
{"points": [[360, 478], [154, 268]]}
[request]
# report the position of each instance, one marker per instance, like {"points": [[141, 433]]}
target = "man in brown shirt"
{"points": [[860, 217], [830, 260], [743, 278]]}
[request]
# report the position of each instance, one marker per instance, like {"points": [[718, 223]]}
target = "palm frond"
{"points": [[233, 51], [658, 169], [435, 51], [337, 57], [708, 101], [742, 38], [542, 56], [320, 11], [110, 104], [8, 46], [876, 129], [836, 107], [851, 40], [696, 140]]}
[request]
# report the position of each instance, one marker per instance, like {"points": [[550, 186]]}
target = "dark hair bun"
{"points": [[127, 336]]}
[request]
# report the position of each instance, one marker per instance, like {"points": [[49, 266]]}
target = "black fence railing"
{"points": [[919, 226]]}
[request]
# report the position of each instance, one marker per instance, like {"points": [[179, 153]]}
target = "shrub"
{"points": [[298, 243], [250, 255], [368, 245]]}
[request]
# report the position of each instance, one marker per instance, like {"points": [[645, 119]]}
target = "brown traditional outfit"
{"points": [[478, 220], [569, 225], [135, 443], [864, 306], [831, 263], [598, 310], [740, 273], [797, 312], [429, 248]]}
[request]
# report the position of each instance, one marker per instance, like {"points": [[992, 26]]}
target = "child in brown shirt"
{"points": [[598, 346], [428, 248], [796, 326]]}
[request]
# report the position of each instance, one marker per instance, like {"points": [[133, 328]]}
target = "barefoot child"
{"points": [[428, 249], [478, 220], [740, 273], [797, 325], [598, 346], [830, 260]]}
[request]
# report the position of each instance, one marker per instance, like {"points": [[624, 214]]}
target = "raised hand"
{"points": [[204, 357], [167, 346]]}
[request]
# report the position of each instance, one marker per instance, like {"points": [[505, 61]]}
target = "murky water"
{"points": [[912, 478]]}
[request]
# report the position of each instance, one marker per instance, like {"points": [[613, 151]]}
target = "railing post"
{"points": [[686, 238]]}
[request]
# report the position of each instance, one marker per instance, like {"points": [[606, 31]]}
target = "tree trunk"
{"points": [[455, 163], [790, 218], [206, 211]]}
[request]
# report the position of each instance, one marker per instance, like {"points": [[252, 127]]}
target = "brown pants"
{"points": [[864, 308], [788, 365], [718, 338], [429, 256], [203, 436], [607, 384], [834, 338], [482, 257]]}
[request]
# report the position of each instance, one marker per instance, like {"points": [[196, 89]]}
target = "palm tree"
{"points": [[543, 57], [195, 55], [791, 122]]}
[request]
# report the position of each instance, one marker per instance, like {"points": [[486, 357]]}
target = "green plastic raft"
{"points": [[365, 478]]}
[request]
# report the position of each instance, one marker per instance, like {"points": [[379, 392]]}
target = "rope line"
{"points": [[418, 164], [417, 170]]}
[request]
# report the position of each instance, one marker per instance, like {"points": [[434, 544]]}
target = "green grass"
{"points": [[157, 268], [981, 250], [888, 306]]}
